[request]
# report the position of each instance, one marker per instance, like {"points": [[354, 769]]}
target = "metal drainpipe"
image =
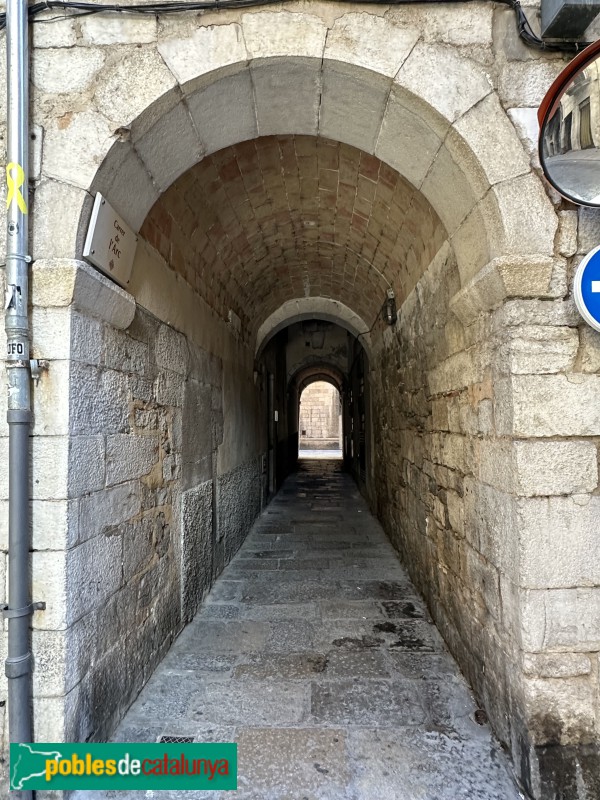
{"points": [[18, 665]]}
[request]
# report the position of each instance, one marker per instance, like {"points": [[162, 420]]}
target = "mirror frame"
{"points": [[552, 99]]}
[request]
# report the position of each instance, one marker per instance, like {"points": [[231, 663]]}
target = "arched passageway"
{"points": [[320, 420], [332, 235], [278, 182]]}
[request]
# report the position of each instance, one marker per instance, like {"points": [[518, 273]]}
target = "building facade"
{"points": [[287, 164]]}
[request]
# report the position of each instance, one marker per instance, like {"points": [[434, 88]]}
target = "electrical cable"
{"points": [[533, 40], [156, 9], [366, 333]]}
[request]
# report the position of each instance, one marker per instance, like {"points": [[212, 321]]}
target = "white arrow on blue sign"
{"points": [[586, 288]]}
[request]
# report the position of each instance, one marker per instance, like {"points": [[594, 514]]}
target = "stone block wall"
{"points": [[487, 483], [238, 497], [543, 394], [127, 398], [128, 538], [320, 415]]}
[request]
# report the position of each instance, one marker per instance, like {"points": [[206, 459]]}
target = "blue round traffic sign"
{"points": [[586, 288]]}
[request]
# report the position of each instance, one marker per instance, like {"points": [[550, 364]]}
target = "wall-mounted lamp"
{"points": [[390, 312]]}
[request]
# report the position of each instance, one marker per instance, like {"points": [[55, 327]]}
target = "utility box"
{"points": [[567, 19]]}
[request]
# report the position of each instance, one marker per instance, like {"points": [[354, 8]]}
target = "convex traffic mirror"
{"points": [[569, 118]]}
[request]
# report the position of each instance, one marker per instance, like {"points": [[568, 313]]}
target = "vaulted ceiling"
{"points": [[284, 217]]}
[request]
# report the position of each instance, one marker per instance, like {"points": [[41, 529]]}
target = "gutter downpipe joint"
{"points": [[18, 665]]}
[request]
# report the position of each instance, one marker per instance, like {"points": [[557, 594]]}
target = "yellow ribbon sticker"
{"points": [[14, 187]]}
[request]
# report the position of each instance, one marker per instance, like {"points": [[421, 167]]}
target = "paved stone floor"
{"points": [[315, 654]]}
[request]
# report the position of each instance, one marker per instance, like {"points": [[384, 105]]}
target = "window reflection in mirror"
{"points": [[570, 138]]}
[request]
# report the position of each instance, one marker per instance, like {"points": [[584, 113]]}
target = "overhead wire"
{"points": [[528, 35], [75, 8], [366, 333]]}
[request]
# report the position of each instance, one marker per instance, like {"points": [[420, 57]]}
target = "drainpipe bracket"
{"points": [[19, 256], [18, 666], [11, 613], [36, 366]]}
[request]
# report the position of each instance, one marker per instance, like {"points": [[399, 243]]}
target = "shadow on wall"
{"points": [[165, 512]]}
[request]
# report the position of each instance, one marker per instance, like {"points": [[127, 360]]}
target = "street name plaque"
{"points": [[110, 243]]}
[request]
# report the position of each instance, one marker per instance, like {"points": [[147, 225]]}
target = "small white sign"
{"points": [[110, 243]]}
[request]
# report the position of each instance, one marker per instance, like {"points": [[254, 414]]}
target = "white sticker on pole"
{"points": [[586, 288]]}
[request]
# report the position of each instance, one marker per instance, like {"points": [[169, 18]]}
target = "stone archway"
{"points": [[451, 407], [319, 372], [325, 367], [230, 83], [323, 308]]}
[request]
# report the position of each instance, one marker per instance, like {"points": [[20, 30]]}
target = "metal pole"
{"points": [[18, 663]]}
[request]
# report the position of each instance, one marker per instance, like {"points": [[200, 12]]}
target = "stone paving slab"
{"points": [[291, 635], [350, 609], [226, 636], [315, 654], [411, 635], [220, 611], [287, 591], [348, 664], [359, 702], [427, 765], [422, 666], [282, 703], [199, 661], [310, 759], [226, 591], [280, 611], [254, 565], [288, 666]]}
